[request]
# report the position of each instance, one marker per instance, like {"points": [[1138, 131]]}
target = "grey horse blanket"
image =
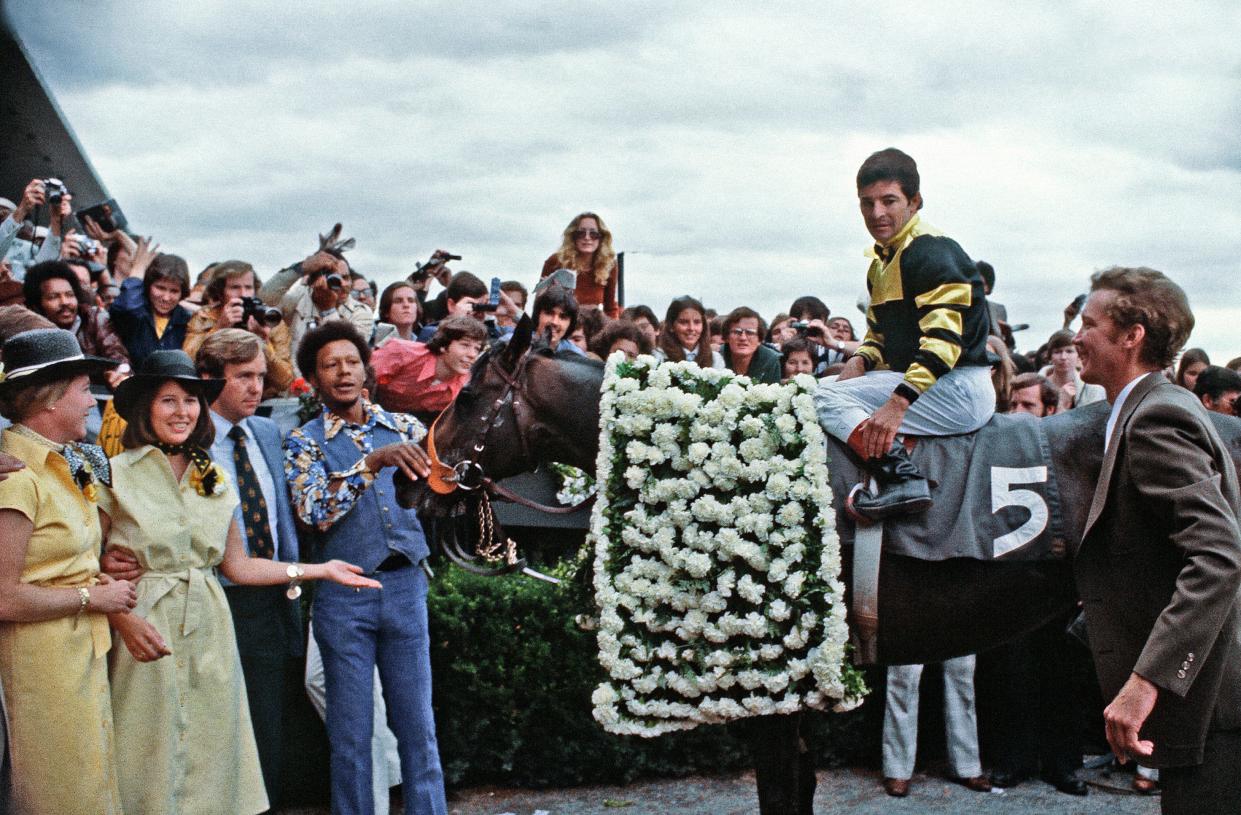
{"points": [[996, 494]]}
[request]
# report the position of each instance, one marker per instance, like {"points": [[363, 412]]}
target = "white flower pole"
{"points": [[717, 565]]}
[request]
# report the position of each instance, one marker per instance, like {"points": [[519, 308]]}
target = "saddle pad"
{"points": [[994, 491]]}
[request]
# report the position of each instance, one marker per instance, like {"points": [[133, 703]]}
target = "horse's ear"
{"points": [[519, 343]]}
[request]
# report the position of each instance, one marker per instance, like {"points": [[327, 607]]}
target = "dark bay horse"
{"points": [[526, 406]]}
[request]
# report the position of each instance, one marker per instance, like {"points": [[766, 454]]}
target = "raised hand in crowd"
{"points": [[69, 247], [409, 458], [1073, 309], [324, 296], [323, 260], [507, 308], [437, 271], [120, 562], [231, 313], [128, 246], [145, 252], [32, 197]]}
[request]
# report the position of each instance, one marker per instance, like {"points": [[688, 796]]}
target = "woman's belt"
{"points": [[154, 586]]}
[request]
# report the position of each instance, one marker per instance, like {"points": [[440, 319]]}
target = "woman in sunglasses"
{"points": [[587, 251]]}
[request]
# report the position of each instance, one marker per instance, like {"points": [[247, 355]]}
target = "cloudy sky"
{"points": [[718, 140]]}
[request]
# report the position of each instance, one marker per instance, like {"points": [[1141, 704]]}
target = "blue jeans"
{"points": [[358, 631]]}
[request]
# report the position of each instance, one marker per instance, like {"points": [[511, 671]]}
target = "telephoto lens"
{"points": [[260, 311], [334, 282]]}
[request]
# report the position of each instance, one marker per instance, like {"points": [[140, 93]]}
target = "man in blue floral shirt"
{"points": [[340, 467]]}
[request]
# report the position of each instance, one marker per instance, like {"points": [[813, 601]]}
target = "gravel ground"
{"points": [[855, 791]]}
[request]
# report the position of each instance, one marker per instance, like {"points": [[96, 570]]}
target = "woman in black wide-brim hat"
{"points": [[53, 600], [183, 726]]}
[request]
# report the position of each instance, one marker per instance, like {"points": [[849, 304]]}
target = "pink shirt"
{"points": [[405, 378]]}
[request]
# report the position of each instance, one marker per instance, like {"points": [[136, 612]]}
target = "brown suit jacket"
{"points": [[1159, 569]]}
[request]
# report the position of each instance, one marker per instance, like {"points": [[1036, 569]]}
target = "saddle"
{"points": [[994, 495]]}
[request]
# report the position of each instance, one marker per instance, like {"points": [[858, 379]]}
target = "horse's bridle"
{"points": [[468, 475]]}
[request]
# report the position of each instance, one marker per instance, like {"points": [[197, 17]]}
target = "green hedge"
{"points": [[513, 678]]}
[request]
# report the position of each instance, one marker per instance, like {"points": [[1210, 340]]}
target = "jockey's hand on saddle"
{"points": [[879, 431], [409, 457], [853, 368]]}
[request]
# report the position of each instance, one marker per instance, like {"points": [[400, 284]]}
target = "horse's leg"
{"points": [[930, 611], [783, 768]]}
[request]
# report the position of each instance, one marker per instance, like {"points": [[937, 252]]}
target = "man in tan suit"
{"points": [[1159, 564]]}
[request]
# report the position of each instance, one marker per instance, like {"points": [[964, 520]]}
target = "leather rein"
{"points": [[468, 475]]}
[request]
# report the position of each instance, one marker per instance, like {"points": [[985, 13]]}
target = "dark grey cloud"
{"points": [[719, 141], [235, 43]]}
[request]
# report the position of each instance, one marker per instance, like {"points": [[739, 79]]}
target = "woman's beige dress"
{"points": [[183, 734], [54, 673]]}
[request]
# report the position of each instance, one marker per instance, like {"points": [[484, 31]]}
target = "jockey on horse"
{"points": [[922, 368]]}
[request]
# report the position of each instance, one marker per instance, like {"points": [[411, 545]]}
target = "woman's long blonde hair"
{"points": [[605, 255]]}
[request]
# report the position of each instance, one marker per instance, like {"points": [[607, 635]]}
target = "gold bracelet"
{"points": [[83, 599]]}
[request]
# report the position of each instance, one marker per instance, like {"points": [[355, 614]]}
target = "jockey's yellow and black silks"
{"points": [[927, 311]]}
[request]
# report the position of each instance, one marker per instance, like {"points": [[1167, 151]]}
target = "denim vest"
{"points": [[377, 526]]}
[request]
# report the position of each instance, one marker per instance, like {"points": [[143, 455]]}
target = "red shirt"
{"points": [[589, 293], [405, 378]]}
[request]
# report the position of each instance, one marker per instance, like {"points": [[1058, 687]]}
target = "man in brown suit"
{"points": [[1159, 564]]}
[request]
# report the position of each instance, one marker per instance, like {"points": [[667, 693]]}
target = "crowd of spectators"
{"points": [[382, 366]]}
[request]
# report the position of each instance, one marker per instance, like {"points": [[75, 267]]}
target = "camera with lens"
{"points": [[805, 329], [335, 282], [262, 313], [54, 190], [433, 266], [87, 246]]}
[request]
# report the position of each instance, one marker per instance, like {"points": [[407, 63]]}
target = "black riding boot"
{"points": [[902, 489]]}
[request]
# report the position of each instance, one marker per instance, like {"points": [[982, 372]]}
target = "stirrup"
{"points": [[857, 517]]}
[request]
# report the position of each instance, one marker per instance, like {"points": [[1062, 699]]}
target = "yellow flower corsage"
{"points": [[209, 481]]}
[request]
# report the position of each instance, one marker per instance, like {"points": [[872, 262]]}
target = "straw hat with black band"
{"points": [[44, 355], [157, 368]]}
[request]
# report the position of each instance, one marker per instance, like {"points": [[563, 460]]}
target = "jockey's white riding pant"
{"points": [[960, 401]]}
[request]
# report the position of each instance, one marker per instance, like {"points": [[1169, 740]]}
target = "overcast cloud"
{"points": [[719, 141]]}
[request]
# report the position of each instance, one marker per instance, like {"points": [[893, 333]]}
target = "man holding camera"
{"points": [[33, 197], [322, 294], [231, 303]]}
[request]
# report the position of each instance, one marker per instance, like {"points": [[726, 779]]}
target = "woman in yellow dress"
{"points": [[53, 632], [183, 729]]}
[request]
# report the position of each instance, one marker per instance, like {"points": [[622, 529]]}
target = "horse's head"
{"points": [[477, 435]]}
